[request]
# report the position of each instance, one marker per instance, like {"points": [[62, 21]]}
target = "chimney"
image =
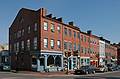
{"points": [[71, 23], [54, 18], [50, 15], [89, 32], [60, 19], [43, 11]]}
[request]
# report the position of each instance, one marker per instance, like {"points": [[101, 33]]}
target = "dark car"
{"points": [[101, 68], [112, 67], [1, 66], [85, 70]]}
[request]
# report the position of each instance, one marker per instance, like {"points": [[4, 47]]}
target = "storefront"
{"points": [[84, 61], [48, 61], [72, 62]]}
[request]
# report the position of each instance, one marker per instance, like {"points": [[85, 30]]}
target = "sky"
{"points": [[100, 16]]}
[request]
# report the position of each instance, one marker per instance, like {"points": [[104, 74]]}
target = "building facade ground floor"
{"points": [[49, 61]]}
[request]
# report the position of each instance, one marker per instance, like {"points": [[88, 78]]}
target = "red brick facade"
{"points": [[34, 34]]}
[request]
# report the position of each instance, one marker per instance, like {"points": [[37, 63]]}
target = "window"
{"points": [[17, 47], [58, 44], [28, 29], [14, 46], [22, 45], [65, 45], [78, 47], [65, 31], [23, 32], [74, 46], [82, 61], [84, 38], [35, 43], [81, 37], [70, 34], [58, 28], [45, 43], [88, 61], [78, 34], [52, 43], [70, 45], [52, 28], [74, 34], [35, 27], [82, 49], [45, 26], [19, 34], [28, 44]]}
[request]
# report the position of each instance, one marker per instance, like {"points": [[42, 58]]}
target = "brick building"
{"points": [[85, 47], [38, 41], [94, 49], [71, 41]]}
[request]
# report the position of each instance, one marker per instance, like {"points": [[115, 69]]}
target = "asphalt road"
{"points": [[108, 75]]}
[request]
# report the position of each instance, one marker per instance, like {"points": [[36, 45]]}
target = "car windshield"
{"points": [[84, 67]]}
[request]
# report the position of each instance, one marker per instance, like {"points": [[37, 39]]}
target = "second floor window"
{"points": [[35, 27], [52, 43], [22, 45], [23, 32], [78, 47], [70, 45], [58, 44], [45, 43], [45, 26], [28, 44], [52, 28], [28, 29], [74, 46], [17, 47], [35, 43], [65, 45]]}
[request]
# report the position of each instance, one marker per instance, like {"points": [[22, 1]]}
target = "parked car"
{"points": [[101, 68], [111, 67], [1, 66], [85, 70], [6, 67]]}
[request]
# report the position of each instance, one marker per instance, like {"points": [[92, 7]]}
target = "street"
{"points": [[20, 75]]}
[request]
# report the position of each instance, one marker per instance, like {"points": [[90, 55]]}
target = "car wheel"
{"points": [[93, 72], [86, 72]]}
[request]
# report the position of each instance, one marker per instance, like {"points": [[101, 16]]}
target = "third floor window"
{"points": [[65, 31], [45, 26], [70, 34], [74, 34], [58, 28], [52, 28]]}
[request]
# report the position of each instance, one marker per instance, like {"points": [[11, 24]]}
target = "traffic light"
{"points": [[75, 53], [67, 54]]}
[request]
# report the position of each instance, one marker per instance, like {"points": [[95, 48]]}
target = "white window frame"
{"points": [[45, 24], [45, 42], [52, 43]]}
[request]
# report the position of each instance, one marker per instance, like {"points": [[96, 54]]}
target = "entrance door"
{"points": [[42, 64], [70, 64]]}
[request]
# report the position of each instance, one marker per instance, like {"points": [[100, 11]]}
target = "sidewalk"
{"points": [[45, 74]]}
